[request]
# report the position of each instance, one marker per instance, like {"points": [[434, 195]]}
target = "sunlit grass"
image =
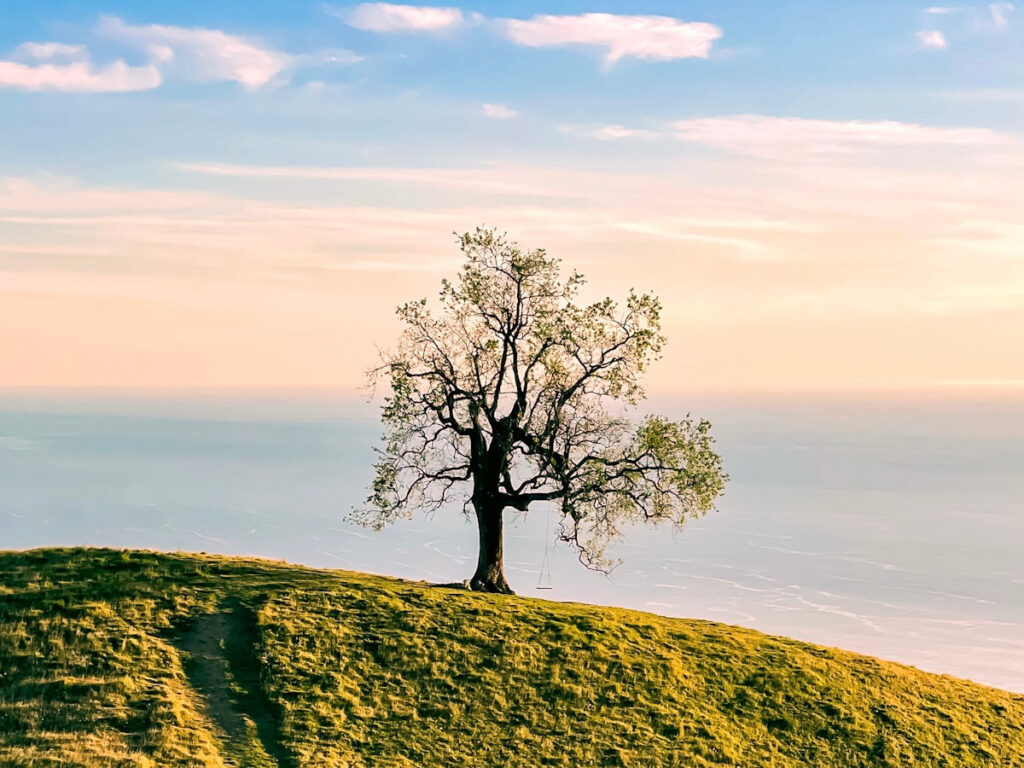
{"points": [[360, 670]]}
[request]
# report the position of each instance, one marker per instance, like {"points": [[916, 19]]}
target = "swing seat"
{"points": [[545, 587]]}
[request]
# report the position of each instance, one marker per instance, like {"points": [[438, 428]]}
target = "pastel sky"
{"points": [[238, 194]]}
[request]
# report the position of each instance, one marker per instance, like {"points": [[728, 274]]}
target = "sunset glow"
{"points": [[190, 198]]}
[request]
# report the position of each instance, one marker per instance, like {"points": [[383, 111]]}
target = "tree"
{"points": [[514, 394]]}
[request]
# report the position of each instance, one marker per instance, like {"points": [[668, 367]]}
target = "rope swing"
{"points": [[544, 579]]}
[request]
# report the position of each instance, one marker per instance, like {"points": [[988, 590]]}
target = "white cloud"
{"points": [[608, 132], [201, 54], [48, 51], [658, 38], [386, 17], [945, 10], [1000, 13], [498, 111], [81, 76], [768, 136], [932, 39], [192, 53]]}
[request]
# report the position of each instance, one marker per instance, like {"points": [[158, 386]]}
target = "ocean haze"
{"points": [[884, 524]]}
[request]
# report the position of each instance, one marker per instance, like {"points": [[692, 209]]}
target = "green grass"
{"points": [[101, 664]]}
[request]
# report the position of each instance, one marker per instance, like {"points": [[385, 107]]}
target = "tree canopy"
{"points": [[510, 392]]}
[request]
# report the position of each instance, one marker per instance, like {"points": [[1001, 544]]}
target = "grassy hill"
{"points": [[143, 659]]}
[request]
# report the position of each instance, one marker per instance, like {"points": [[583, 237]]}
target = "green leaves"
{"points": [[511, 392], [686, 460]]}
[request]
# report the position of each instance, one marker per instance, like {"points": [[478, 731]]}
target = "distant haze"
{"points": [[890, 526]]}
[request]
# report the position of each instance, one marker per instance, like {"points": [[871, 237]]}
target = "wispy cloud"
{"points": [[498, 111], [540, 182], [993, 17], [608, 132], [201, 54], [673, 231], [193, 54], [1008, 95], [388, 17], [768, 136], [870, 248], [48, 51], [496, 180], [1000, 14], [1002, 238], [60, 67], [656, 38], [932, 39]]}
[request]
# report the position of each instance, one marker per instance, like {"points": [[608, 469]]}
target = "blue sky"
{"points": [[137, 135], [827, 60]]}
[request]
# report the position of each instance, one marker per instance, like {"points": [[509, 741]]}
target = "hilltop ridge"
{"points": [[128, 658]]}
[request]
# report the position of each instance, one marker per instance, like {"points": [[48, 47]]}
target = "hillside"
{"points": [[136, 658]]}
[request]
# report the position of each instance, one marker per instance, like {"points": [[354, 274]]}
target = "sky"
{"points": [[237, 195]]}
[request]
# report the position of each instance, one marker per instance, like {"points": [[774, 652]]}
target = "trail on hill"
{"points": [[222, 667]]}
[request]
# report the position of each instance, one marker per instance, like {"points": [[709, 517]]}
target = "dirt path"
{"points": [[222, 667]]}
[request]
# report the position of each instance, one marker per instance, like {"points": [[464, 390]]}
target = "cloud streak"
{"points": [[494, 180], [609, 132], [388, 17], [106, 270], [1004, 95], [767, 136], [653, 38]]}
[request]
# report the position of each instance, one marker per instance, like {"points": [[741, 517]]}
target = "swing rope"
{"points": [[545, 566]]}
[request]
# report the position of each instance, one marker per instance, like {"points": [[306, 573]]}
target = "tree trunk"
{"points": [[490, 570]]}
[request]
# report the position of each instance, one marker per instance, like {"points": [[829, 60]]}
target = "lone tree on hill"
{"points": [[513, 394]]}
